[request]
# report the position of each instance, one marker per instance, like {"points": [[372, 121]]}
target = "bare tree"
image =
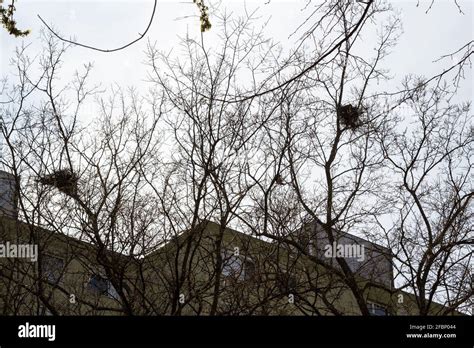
{"points": [[82, 181], [430, 158]]}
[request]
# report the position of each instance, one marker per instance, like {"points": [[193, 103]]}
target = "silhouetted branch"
{"points": [[101, 49]]}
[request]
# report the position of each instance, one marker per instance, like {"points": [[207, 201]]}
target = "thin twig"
{"points": [[101, 49]]}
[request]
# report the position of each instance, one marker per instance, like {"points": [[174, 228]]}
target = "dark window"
{"points": [[249, 269], [52, 268], [304, 241], [102, 286], [238, 267], [376, 309], [285, 282], [98, 284], [44, 311]]}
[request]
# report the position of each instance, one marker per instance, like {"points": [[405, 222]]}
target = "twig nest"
{"points": [[65, 180], [279, 180], [349, 116]]}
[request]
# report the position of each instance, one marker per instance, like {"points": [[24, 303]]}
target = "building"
{"points": [[209, 269], [8, 196]]}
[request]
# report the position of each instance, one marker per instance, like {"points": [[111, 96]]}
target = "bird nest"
{"points": [[349, 116], [65, 180]]}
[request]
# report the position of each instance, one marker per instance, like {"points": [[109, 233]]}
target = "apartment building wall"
{"points": [[376, 264], [260, 293], [26, 287], [150, 282], [8, 195]]}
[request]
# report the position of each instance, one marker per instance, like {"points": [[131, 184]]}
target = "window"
{"points": [[44, 311], [102, 286], [285, 282], [249, 269], [238, 267], [376, 309], [232, 266], [52, 268], [305, 241]]}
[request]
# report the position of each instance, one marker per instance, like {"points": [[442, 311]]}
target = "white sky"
{"points": [[112, 23]]}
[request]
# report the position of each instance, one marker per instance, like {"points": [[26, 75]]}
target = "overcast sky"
{"points": [[112, 23]]}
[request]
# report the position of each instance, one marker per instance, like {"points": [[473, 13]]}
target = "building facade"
{"points": [[206, 270]]}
